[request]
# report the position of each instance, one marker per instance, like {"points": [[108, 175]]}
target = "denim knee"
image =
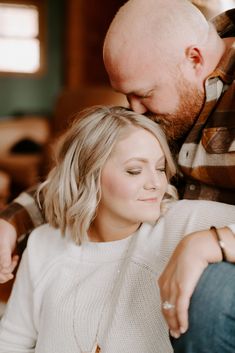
{"points": [[211, 313]]}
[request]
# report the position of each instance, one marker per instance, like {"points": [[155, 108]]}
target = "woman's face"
{"points": [[133, 180]]}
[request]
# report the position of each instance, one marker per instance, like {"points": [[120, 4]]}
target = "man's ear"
{"points": [[195, 58]]}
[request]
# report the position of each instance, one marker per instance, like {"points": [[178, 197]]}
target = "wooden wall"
{"points": [[86, 25]]}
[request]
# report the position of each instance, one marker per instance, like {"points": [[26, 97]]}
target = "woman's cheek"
{"points": [[116, 186]]}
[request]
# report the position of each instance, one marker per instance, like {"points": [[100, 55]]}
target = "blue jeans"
{"points": [[211, 313]]}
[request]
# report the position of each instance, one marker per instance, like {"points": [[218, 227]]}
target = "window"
{"points": [[21, 40]]}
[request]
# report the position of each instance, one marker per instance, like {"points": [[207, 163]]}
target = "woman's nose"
{"points": [[152, 183]]}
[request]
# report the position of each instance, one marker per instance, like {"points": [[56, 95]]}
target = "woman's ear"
{"points": [[195, 58]]}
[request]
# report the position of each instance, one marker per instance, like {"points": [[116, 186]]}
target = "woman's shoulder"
{"points": [[46, 237], [45, 244]]}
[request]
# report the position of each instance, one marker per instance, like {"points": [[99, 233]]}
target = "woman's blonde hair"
{"points": [[72, 190]]}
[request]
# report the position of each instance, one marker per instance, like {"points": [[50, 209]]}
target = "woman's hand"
{"points": [[180, 277]]}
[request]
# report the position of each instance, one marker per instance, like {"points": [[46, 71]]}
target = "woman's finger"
{"points": [[169, 308]]}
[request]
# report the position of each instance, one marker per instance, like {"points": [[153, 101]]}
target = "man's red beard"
{"points": [[178, 125]]}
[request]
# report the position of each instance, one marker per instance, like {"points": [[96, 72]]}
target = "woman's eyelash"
{"points": [[163, 169], [138, 171], [133, 172]]}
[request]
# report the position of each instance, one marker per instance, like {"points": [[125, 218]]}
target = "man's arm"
{"points": [[16, 221]]}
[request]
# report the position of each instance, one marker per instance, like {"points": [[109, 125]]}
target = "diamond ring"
{"points": [[167, 306]]}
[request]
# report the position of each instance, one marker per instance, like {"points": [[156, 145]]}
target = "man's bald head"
{"points": [[159, 53], [156, 25]]}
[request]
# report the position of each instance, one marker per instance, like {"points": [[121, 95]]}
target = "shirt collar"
{"points": [[225, 23], [225, 26]]}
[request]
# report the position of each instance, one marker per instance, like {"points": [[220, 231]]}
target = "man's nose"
{"points": [[137, 105]]}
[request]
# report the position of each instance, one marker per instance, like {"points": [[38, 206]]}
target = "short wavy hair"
{"points": [[72, 190]]}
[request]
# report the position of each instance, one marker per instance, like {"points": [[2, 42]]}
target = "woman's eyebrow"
{"points": [[139, 159], [161, 159], [144, 160]]}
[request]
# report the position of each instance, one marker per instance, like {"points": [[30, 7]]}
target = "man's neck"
{"points": [[217, 54]]}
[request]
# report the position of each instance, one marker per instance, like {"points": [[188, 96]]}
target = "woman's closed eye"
{"points": [[161, 169], [134, 171]]}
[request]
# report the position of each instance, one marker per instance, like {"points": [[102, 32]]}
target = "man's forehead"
{"points": [[128, 78], [137, 83]]}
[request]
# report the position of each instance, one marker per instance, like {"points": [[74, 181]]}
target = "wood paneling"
{"points": [[86, 25]]}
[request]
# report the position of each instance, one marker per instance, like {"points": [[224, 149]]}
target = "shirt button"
{"points": [[192, 187]]}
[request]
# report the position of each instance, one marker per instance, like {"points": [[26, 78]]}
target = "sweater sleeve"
{"points": [[232, 228], [17, 328], [196, 215], [188, 216]]}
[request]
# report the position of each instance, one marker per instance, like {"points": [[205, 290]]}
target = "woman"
{"points": [[88, 279]]}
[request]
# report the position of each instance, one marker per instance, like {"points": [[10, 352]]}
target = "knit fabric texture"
{"points": [[65, 293]]}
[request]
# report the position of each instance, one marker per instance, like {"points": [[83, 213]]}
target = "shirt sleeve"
{"points": [[24, 213], [17, 327]]}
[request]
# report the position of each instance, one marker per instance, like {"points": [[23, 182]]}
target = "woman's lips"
{"points": [[150, 199]]}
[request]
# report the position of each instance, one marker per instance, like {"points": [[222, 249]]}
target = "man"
{"points": [[172, 65], [161, 62]]}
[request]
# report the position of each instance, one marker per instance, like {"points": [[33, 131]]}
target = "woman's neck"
{"points": [[105, 231]]}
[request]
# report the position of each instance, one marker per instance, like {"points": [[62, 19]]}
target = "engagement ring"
{"points": [[167, 306]]}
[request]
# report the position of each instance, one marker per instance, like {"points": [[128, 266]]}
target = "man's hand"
{"points": [[181, 275], [7, 246]]}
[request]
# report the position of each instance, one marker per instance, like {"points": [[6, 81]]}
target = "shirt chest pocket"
{"points": [[219, 140]]}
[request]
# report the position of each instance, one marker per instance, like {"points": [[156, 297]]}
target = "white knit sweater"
{"points": [[63, 291]]}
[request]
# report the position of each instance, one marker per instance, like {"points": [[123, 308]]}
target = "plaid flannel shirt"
{"points": [[207, 157]]}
